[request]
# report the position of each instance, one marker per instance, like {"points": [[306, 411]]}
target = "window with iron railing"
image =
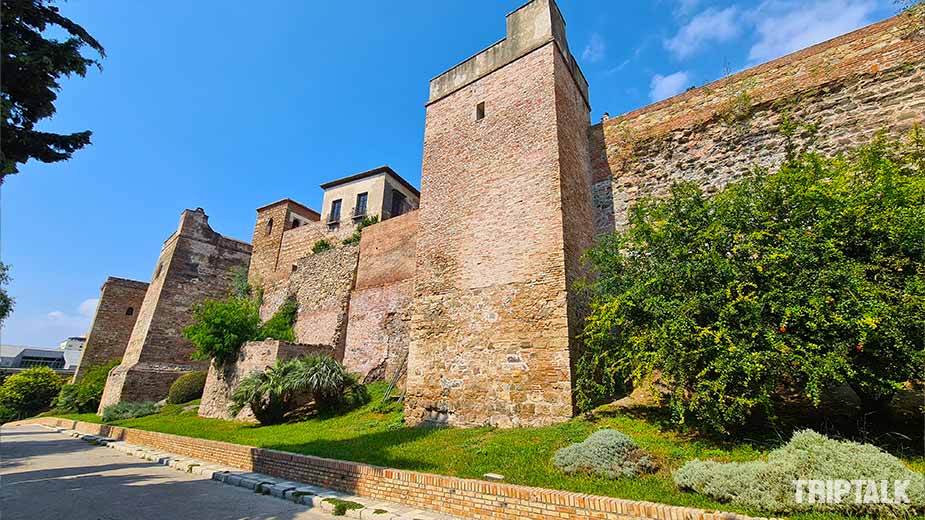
{"points": [[334, 215], [359, 211]]}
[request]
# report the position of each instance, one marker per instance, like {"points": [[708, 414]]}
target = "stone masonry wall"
{"points": [[490, 325], [113, 321], [378, 324], [254, 356], [195, 264], [461, 498], [321, 286], [851, 87]]}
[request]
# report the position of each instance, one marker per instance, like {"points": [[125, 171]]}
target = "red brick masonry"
{"points": [[466, 498]]}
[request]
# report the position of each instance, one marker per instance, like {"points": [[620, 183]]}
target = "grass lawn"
{"points": [[368, 434]]}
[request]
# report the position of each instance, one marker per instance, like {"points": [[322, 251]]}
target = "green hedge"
{"points": [[187, 387]]}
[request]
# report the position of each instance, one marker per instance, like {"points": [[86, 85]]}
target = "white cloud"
{"points": [[56, 315], [663, 87], [686, 7], [88, 307], [709, 26], [784, 26], [595, 50]]}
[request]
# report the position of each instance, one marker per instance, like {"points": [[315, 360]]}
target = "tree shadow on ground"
{"points": [[377, 448]]}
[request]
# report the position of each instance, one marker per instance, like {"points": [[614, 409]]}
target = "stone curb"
{"points": [[311, 496]]}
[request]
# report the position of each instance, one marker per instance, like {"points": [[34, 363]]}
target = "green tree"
{"points": [[220, 328], [799, 279], [6, 301], [32, 67]]}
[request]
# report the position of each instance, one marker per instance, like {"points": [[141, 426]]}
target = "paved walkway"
{"points": [[45, 475]]}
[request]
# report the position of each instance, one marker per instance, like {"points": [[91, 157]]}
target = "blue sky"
{"points": [[229, 106]]}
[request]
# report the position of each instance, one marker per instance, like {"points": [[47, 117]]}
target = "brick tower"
{"points": [[195, 264], [272, 221], [120, 301], [505, 215]]}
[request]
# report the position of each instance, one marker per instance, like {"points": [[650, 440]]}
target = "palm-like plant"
{"points": [[268, 393], [275, 391]]}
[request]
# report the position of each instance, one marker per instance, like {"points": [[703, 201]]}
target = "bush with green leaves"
{"points": [[279, 326], [800, 279], [187, 387], [90, 386], [220, 328], [769, 485], [321, 245], [128, 410], [29, 392], [276, 391], [66, 401], [357, 233], [608, 453]]}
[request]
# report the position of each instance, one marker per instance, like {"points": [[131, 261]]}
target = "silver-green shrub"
{"points": [[808, 456], [608, 453], [128, 410]]}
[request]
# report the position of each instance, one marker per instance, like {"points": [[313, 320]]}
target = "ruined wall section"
{"points": [[850, 87], [254, 356], [115, 316], [321, 286], [379, 317], [195, 264]]}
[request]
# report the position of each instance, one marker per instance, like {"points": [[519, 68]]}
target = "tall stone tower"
{"points": [[505, 215], [272, 221], [111, 329], [195, 264]]}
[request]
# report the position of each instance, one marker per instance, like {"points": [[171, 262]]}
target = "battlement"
{"points": [[529, 27]]}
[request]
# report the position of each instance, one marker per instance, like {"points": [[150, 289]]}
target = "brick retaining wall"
{"points": [[466, 498]]}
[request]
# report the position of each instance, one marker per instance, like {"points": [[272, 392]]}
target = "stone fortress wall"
{"points": [[113, 321], [472, 294], [849, 87], [195, 264]]}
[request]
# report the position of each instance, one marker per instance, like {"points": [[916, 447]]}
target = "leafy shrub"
{"points": [[280, 325], [607, 453], [808, 456], [29, 392], [187, 387], [128, 410], [220, 328], [66, 402], [7, 414], [799, 279], [90, 386], [273, 393], [357, 233], [84, 395], [321, 245]]}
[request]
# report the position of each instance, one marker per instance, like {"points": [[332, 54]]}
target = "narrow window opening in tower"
{"points": [[296, 223], [129, 311], [269, 227], [480, 111]]}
